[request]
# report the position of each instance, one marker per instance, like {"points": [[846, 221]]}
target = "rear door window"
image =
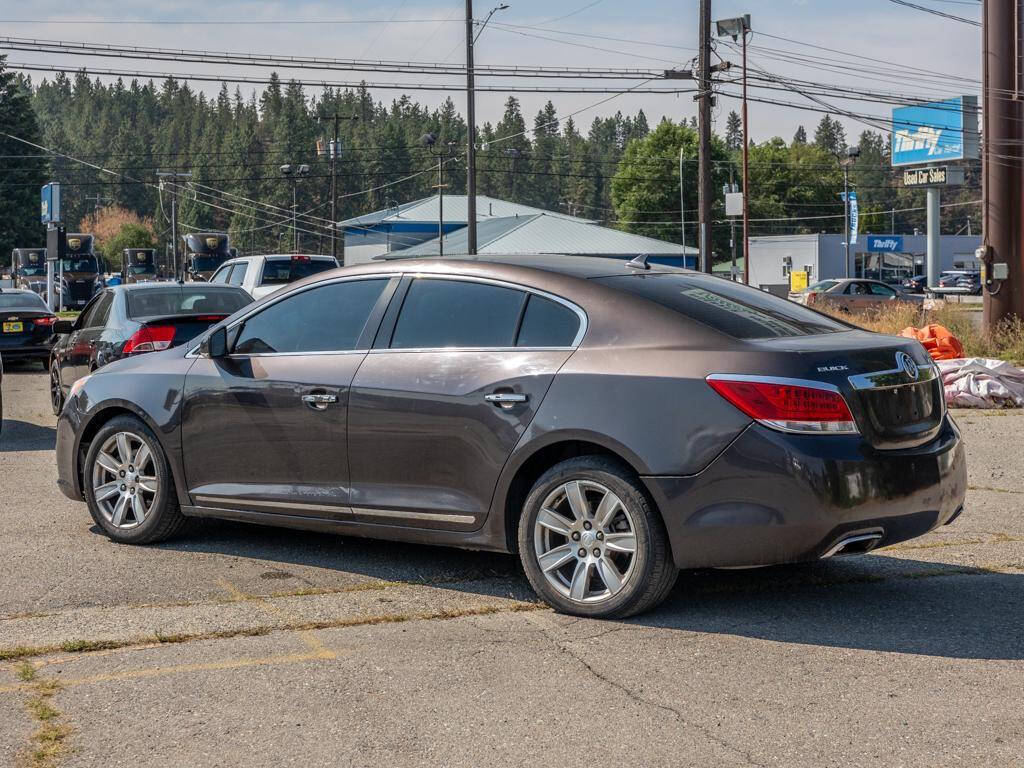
{"points": [[882, 290], [237, 276], [221, 275], [731, 308], [547, 323], [328, 318], [439, 314]]}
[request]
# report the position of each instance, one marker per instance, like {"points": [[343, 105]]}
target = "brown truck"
{"points": [[28, 269], [204, 253], [81, 277], [138, 265]]}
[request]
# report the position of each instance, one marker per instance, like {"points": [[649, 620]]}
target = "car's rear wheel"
{"points": [[128, 484], [592, 544], [56, 391]]}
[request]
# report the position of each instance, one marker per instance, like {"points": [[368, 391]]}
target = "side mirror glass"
{"points": [[63, 327], [216, 344]]}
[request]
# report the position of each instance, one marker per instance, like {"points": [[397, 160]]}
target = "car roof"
{"points": [[152, 286], [586, 267]]}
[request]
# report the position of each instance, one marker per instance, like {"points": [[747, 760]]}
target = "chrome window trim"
{"points": [[578, 310], [194, 351], [442, 517]]}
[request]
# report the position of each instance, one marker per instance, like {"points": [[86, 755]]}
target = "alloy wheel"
{"points": [[585, 541], [124, 481]]}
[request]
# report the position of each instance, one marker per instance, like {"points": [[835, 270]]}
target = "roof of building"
{"points": [[544, 233], [455, 211]]}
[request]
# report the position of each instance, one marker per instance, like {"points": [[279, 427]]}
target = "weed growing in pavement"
{"points": [[48, 742]]}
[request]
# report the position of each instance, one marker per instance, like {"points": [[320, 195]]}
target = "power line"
{"points": [[936, 12]]}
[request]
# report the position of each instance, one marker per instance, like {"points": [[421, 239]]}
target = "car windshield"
{"points": [[142, 269], [280, 271], [202, 263], [734, 309], [21, 301], [824, 285], [32, 271], [186, 300], [80, 264]]}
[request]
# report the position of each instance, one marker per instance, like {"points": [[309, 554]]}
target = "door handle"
{"points": [[506, 399], [319, 400]]}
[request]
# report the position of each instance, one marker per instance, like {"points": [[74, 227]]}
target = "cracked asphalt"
{"points": [[260, 647]]}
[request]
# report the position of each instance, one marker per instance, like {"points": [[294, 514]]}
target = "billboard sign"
{"points": [[49, 203], [933, 176], [885, 243], [935, 132]]}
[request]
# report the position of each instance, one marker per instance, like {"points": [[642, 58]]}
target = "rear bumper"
{"points": [[32, 350], [775, 498]]}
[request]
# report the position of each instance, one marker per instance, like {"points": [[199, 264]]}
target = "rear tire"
{"points": [[56, 390], [128, 484], [591, 542]]}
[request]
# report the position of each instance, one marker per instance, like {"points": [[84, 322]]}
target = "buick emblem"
{"points": [[905, 363]]}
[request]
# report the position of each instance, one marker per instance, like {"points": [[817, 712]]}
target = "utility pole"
{"points": [[287, 170], [96, 200], [704, 136], [682, 204], [1001, 163], [334, 151], [746, 166], [429, 140], [471, 144], [172, 175]]}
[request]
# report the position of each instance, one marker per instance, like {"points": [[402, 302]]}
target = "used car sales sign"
{"points": [[936, 176]]}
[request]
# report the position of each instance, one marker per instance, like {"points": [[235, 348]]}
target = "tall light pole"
{"points": [[295, 172], [429, 140], [471, 124], [682, 204], [737, 28]]}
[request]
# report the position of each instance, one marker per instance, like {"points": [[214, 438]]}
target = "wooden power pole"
{"points": [[1002, 176], [704, 137]]}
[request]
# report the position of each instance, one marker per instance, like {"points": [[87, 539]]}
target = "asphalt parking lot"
{"points": [[239, 645]]}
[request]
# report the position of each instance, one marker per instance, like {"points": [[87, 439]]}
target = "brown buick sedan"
{"points": [[610, 422]]}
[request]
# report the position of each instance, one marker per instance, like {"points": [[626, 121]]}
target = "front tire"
{"points": [[592, 544], [128, 484]]}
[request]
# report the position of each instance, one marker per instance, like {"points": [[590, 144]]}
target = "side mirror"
{"points": [[216, 344], [63, 327]]}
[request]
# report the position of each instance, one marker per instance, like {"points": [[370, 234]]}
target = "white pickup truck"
{"points": [[260, 275]]}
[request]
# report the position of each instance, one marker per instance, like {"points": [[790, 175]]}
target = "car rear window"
{"points": [[21, 301], [547, 323], [732, 308], [281, 271], [186, 300]]}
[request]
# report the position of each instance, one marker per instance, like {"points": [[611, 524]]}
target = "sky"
{"points": [[878, 42]]}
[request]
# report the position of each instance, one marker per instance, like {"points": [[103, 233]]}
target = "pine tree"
{"points": [[830, 136], [733, 132], [23, 176], [800, 137]]}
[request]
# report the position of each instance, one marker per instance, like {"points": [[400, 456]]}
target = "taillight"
{"points": [[789, 406], [210, 318], [150, 338], [45, 320]]}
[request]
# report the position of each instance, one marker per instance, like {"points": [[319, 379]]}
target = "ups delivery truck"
{"points": [[81, 272], [138, 265], [204, 252]]}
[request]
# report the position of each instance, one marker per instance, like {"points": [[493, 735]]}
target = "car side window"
{"points": [[882, 290], [237, 276], [221, 275], [328, 318], [100, 311], [82, 321], [457, 313], [856, 289], [547, 323]]}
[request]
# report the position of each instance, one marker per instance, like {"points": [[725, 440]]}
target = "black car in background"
{"points": [[26, 326], [129, 320], [916, 284]]}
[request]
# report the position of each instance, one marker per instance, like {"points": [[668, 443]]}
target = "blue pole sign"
{"points": [[936, 131], [49, 204], [885, 243]]}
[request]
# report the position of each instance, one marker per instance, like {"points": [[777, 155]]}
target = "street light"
{"points": [[295, 172], [847, 158], [429, 140], [736, 28]]}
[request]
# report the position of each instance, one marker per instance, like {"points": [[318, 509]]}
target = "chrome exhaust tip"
{"points": [[854, 545]]}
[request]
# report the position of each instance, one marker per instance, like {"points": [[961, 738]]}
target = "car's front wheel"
{"points": [[592, 544], [128, 484]]}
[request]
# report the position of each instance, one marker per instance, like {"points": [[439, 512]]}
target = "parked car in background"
{"points": [[916, 284], [851, 295], [261, 275], [960, 281], [609, 422], [129, 320], [26, 326]]}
